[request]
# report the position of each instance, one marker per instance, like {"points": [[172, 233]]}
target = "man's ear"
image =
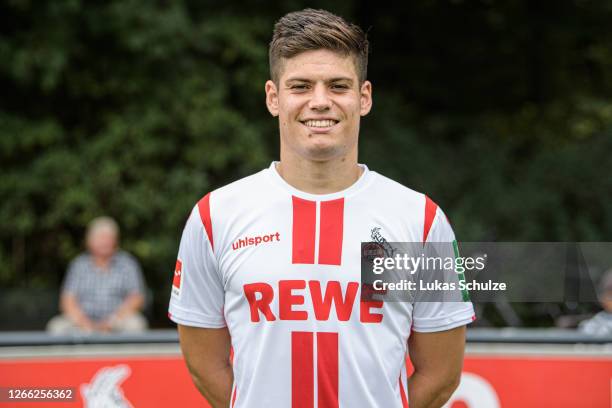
{"points": [[272, 98], [366, 98]]}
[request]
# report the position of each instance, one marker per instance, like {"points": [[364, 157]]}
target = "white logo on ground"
{"points": [[475, 392], [104, 390]]}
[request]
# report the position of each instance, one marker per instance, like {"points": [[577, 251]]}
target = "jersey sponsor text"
{"points": [[293, 292]]}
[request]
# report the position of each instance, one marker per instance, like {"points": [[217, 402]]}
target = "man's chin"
{"points": [[322, 152]]}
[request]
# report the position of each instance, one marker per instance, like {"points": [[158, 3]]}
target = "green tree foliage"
{"points": [[500, 111], [121, 108]]}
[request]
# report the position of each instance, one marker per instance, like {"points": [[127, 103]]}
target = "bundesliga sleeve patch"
{"points": [[178, 275]]}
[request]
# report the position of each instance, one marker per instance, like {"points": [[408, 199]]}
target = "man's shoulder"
{"points": [[395, 194], [384, 182], [125, 257], [234, 201], [404, 196], [80, 261], [247, 185], [412, 209], [240, 189]]}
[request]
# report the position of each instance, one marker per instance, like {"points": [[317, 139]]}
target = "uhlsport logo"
{"points": [[178, 277], [256, 240]]}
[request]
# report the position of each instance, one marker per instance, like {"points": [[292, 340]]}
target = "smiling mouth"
{"points": [[326, 123]]}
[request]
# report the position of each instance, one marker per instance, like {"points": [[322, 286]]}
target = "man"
{"points": [[103, 290], [270, 265]]}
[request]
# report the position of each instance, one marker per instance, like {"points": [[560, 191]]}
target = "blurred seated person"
{"points": [[104, 289], [601, 323]]}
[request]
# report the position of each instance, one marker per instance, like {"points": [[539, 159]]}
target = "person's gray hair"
{"points": [[103, 223]]}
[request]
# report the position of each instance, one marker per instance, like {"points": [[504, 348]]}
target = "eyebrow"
{"points": [[329, 81]]}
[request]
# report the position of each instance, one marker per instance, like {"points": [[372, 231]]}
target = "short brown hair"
{"points": [[311, 29]]}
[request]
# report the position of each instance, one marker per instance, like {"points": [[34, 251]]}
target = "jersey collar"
{"points": [[361, 182]]}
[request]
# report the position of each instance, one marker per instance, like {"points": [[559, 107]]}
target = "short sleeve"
{"points": [[197, 296], [432, 316]]}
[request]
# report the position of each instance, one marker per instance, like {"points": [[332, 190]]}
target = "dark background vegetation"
{"points": [[500, 110]]}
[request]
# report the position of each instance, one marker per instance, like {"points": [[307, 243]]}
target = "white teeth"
{"points": [[320, 123]]}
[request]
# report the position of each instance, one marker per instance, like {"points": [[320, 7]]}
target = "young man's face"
{"points": [[319, 103]]}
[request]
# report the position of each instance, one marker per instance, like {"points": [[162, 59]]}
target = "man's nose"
{"points": [[320, 98]]}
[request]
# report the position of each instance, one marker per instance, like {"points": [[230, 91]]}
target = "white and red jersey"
{"points": [[281, 269]]}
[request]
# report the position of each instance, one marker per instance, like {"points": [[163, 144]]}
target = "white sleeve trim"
{"points": [[459, 318], [196, 319]]}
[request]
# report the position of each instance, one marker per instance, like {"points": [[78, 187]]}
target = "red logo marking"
{"points": [[248, 241], [178, 273], [293, 293]]}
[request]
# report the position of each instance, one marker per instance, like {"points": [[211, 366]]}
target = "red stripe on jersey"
{"points": [[327, 370], [304, 224], [331, 231], [234, 397], [403, 393], [430, 214], [204, 207], [302, 370], [231, 360]]}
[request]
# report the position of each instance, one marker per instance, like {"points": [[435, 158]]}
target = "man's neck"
{"points": [[322, 177], [101, 262]]}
